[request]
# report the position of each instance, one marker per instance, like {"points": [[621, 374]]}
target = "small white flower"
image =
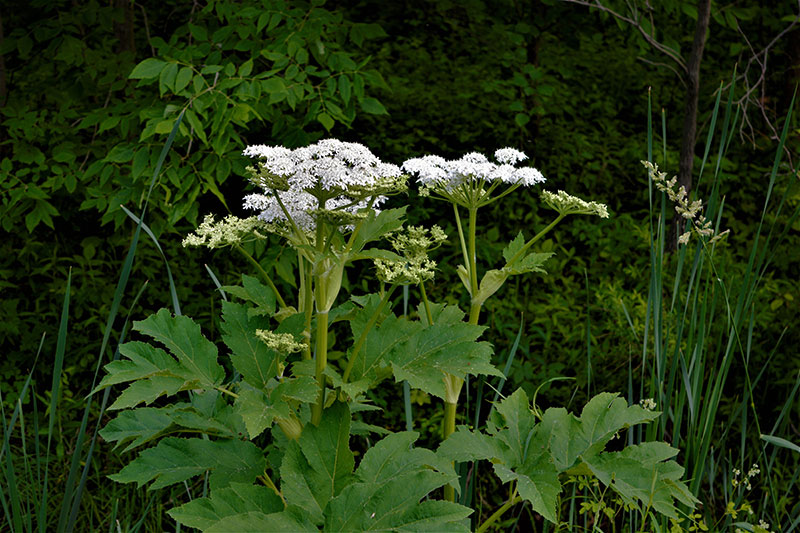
{"points": [[509, 155], [648, 403]]}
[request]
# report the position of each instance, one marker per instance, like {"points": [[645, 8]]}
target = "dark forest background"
{"points": [[89, 92]]}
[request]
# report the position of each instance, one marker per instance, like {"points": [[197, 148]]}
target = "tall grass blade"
{"points": [[58, 365], [63, 521], [216, 282], [172, 292]]}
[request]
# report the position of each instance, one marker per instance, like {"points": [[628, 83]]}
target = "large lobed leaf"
{"points": [[390, 483], [175, 459], [317, 467], [536, 454]]}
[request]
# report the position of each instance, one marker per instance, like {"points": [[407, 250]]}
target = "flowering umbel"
{"points": [[334, 180], [471, 180]]}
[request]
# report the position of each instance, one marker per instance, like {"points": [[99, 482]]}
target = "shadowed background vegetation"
{"points": [[89, 92]]}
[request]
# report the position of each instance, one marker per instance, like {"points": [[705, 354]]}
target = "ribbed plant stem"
{"points": [[321, 356], [449, 428]]}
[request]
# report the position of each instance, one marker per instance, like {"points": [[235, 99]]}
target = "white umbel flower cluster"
{"points": [[435, 172], [330, 164], [328, 176]]}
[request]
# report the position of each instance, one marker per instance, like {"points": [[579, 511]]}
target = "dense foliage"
{"points": [[90, 91]]}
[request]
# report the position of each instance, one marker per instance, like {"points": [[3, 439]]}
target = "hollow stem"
{"points": [[425, 302], [321, 356], [449, 428]]}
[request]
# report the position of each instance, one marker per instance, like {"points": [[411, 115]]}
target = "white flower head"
{"points": [[436, 174], [509, 155], [302, 184], [330, 164]]}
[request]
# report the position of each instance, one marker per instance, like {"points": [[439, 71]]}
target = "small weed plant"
{"points": [[267, 423]]}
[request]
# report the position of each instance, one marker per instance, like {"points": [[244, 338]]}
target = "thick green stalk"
{"points": [[306, 302], [321, 356], [425, 302], [264, 275], [449, 428], [473, 262]]}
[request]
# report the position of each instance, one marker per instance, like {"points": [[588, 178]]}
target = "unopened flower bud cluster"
{"points": [[688, 210], [566, 204], [280, 342], [229, 231], [413, 244]]}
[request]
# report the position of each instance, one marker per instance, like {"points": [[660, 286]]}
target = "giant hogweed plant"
{"points": [[269, 424]]}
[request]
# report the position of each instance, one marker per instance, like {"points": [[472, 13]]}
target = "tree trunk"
{"points": [[690, 111], [124, 29], [2, 69]]}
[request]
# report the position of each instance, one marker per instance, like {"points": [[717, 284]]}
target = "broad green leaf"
{"points": [[144, 361], [392, 479], [537, 482], [182, 79], [320, 465], [464, 445], [255, 408], [520, 422], [291, 520], [139, 427], [376, 226], [380, 341], [372, 106], [395, 505], [147, 69], [530, 263], [237, 499], [174, 460], [442, 347], [257, 363], [393, 456], [147, 391], [644, 476], [254, 291], [183, 339], [326, 121], [513, 247], [571, 438]]}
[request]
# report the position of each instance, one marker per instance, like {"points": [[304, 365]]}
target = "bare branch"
{"points": [[755, 90], [666, 65], [634, 21]]}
